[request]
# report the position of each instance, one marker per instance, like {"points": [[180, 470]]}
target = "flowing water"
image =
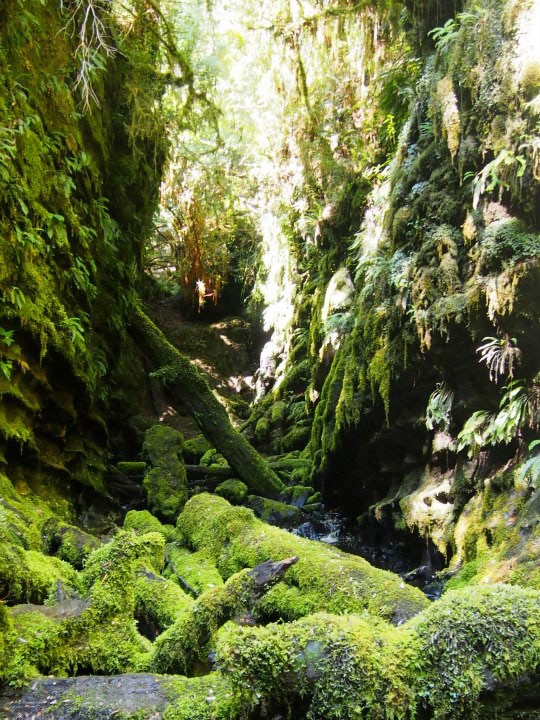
{"points": [[416, 561]]}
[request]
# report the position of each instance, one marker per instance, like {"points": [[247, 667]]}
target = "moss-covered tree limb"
{"points": [[323, 579], [178, 648], [189, 386], [453, 660]]}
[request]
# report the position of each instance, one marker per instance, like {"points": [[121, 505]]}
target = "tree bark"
{"points": [[188, 385]]}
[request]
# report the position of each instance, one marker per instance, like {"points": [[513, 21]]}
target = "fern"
{"points": [[530, 470], [439, 408], [500, 355]]}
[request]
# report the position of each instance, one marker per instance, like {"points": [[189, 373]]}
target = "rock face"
{"points": [[412, 388]]}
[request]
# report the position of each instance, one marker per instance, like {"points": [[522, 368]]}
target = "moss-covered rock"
{"points": [[295, 439], [441, 663], [166, 483], [298, 495], [273, 512], [323, 579], [233, 490], [31, 576], [67, 542], [142, 521], [213, 458], [195, 448]]}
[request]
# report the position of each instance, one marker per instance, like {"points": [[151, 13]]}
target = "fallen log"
{"points": [[475, 649], [324, 579], [185, 382], [187, 640]]}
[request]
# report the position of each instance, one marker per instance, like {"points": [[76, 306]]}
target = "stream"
{"points": [[415, 560]]}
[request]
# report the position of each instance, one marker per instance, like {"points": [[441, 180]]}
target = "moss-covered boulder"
{"points": [[273, 512], [68, 542], [233, 490], [31, 576], [166, 483], [195, 448]]}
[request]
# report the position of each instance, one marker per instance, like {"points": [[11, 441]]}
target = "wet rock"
{"points": [[82, 698]]}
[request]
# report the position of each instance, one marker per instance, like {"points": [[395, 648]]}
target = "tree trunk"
{"points": [[190, 387]]}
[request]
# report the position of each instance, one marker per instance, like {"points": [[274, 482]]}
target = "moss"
{"points": [[233, 490], [119, 558], [142, 521], [204, 698], [443, 663], [35, 651], [131, 468], [499, 639], [68, 542], [323, 579], [273, 511], [6, 639], [295, 439], [197, 569], [195, 448], [296, 378], [262, 428], [188, 640], [166, 483], [158, 602], [278, 412], [496, 537], [343, 667], [30, 576], [298, 495], [212, 458]]}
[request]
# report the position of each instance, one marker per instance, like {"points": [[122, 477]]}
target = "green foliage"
{"points": [[500, 355], [505, 243], [439, 408], [530, 470], [518, 408], [494, 173], [446, 35]]}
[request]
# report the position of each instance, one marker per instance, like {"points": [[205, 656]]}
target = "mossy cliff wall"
{"points": [[77, 189], [439, 258]]}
